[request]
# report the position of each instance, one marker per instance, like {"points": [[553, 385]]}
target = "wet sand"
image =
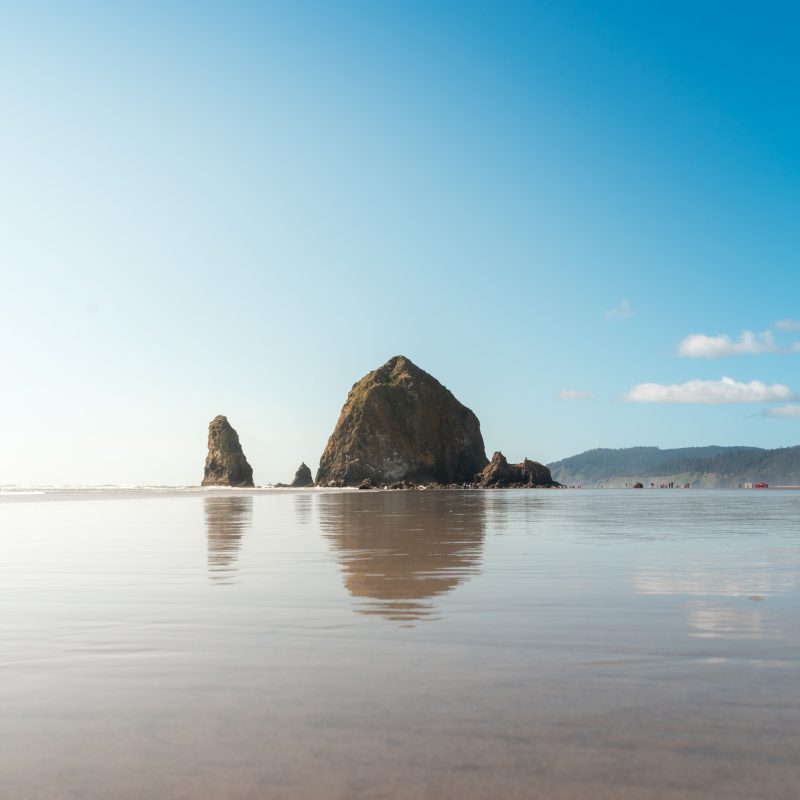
{"points": [[473, 644]]}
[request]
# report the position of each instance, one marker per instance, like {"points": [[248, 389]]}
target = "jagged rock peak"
{"points": [[225, 463], [303, 476], [400, 424], [499, 473]]}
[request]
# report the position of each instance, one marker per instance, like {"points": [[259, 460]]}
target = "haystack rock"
{"points": [[303, 476], [225, 464], [500, 474], [401, 424]]}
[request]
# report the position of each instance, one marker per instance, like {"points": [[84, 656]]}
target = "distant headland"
{"points": [[400, 429], [701, 467]]}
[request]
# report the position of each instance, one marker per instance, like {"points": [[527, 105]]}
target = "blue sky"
{"points": [[241, 208]]}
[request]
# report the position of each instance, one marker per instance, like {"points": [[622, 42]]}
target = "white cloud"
{"points": [[783, 412], [573, 394], [725, 390], [622, 311], [795, 347], [699, 346], [787, 325]]}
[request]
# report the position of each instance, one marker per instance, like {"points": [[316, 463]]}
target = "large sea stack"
{"points": [[225, 464], [502, 475], [401, 424]]}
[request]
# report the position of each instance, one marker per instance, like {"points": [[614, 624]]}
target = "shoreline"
{"points": [[50, 494]]}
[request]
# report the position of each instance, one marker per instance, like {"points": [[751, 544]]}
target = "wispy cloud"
{"points": [[787, 325], [784, 412], [573, 394], [699, 346], [622, 311], [725, 390]]}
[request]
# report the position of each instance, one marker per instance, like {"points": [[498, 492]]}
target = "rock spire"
{"points": [[225, 464], [302, 477]]}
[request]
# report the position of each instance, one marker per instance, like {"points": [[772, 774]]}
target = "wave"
{"points": [[68, 491]]}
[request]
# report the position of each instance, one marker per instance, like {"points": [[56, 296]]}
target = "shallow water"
{"points": [[315, 644]]}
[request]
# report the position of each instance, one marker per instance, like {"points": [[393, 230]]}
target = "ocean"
{"points": [[318, 644]]}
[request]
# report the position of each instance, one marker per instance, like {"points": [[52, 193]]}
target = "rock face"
{"points": [[225, 464], [303, 477], [499, 473], [401, 424]]}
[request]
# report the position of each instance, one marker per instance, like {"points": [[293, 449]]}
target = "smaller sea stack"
{"points": [[302, 477], [225, 463], [502, 475]]}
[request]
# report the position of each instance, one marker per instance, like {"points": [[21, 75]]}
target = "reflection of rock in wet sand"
{"points": [[303, 507], [227, 519], [398, 550]]}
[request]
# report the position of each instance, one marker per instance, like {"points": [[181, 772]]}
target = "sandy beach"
{"points": [[317, 644]]}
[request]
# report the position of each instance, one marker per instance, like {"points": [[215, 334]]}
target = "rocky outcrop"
{"points": [[225, 464], [400, 424], [502, 475], [303, 477]]}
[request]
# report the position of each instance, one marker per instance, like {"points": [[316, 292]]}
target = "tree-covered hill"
{"points": [[700, 466]]}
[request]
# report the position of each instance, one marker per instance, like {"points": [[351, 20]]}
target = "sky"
{"points": [[581, 217]]}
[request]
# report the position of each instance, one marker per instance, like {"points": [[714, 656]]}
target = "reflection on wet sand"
{"points": [[304, 507], [772, 574], [399, 550], [227, 519], [720, 594], [717, 621], [592, 658]]}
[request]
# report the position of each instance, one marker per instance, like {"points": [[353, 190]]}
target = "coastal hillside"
{"points": [[700, 466]]}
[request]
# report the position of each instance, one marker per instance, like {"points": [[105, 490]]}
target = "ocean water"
{"points": [[314, 644]]}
